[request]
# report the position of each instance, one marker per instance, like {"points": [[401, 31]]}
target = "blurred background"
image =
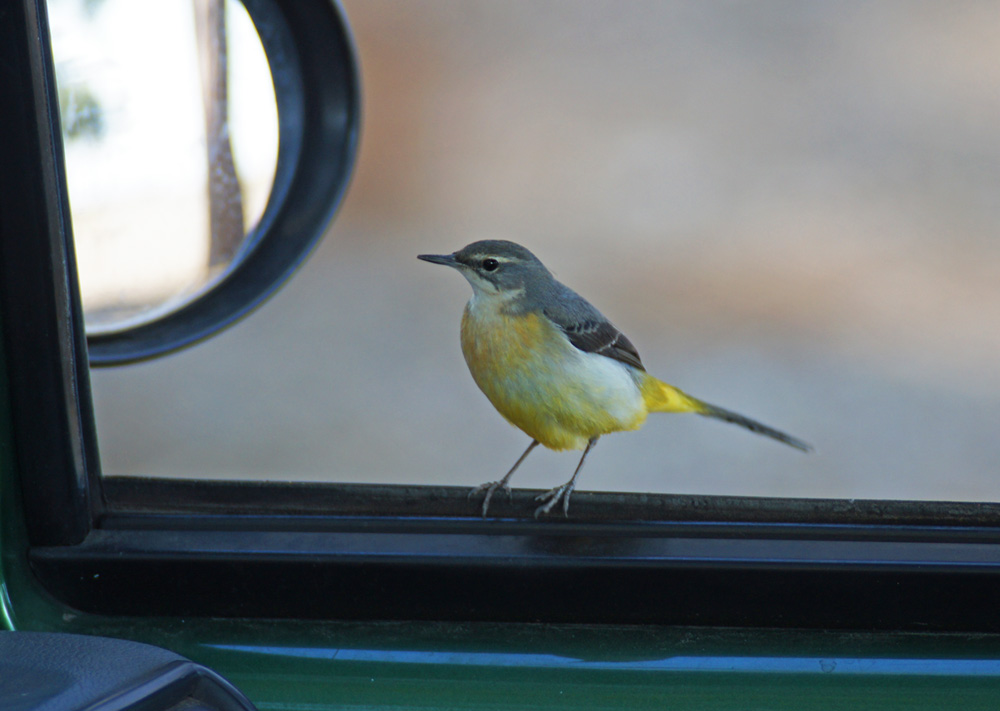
{"points": [[791, 208]]}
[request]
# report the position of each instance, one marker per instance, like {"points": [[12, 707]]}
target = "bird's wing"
{"points": [[588, 330]]}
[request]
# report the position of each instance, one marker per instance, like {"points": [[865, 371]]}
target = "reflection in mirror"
{"points": [[170, 130]]}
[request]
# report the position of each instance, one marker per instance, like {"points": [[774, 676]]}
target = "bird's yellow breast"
{"points": [[554, 392]]}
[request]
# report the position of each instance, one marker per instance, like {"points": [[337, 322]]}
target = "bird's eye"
{"points": [[490, 264]]}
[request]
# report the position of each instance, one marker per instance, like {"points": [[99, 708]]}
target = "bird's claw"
{"points": [[490, 487], [552, 497]]}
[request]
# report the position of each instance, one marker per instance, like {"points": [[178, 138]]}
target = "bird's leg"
{"points": [[491, 486], [553, 496]]}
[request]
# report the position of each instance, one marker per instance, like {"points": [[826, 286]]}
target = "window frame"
{"points": [[119, 546]]}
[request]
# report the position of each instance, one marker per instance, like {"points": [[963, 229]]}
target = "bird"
{"points": [[554, 366]]}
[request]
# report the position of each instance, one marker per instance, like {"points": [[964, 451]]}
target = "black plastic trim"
{"points": [[144, 495], [640, 573], [70, 671], [44, 346], [318, 551], [182, 685]]}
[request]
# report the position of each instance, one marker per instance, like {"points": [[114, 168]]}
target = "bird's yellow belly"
{"points": [[554, 392]]}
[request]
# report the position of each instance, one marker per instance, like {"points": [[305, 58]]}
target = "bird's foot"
{"points": [[552, 497], [490, 488]]}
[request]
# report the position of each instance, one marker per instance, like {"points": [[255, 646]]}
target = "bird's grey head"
{"points": [[496, 267]]}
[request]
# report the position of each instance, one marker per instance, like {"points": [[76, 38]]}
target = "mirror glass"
{"points": [[170, 130]]}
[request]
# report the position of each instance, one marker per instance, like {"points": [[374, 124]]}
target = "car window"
{"points": [[187, 547], [789, 209]]}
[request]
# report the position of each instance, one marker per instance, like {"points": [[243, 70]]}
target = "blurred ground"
{"points": [[791, 208]]}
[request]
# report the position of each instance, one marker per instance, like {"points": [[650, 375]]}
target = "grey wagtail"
{"points": [[553, 366]]}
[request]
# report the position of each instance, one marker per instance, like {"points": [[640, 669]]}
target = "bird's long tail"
{"points": [[660, 397]]}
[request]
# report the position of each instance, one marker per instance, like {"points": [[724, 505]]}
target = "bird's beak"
{"points": [[446, 259]]}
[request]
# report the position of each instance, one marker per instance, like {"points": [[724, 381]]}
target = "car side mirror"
{"points": [[308, 141]]}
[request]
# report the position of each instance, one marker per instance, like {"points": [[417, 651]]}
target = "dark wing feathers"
{"points": [[603, 338], [588, 330]]}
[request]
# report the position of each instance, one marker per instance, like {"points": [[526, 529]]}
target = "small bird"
{"points": [[553, 366]]}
